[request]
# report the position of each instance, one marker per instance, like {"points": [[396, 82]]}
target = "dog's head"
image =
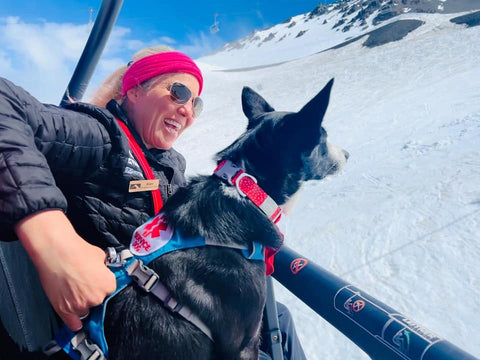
{"points": [[282, 149]]}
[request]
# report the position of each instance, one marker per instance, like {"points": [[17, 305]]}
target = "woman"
{"points": [[80, 160], [91, 159]]}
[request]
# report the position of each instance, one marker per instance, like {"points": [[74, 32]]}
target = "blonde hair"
{"points": [[111, 88]]}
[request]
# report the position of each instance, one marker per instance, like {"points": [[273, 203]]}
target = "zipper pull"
{"points": [[169, 189]]}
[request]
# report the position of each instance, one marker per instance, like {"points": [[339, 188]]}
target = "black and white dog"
{"points": [[225, 290]]}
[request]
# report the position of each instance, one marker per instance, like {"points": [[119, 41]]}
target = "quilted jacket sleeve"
{"points": [[41, 146]]}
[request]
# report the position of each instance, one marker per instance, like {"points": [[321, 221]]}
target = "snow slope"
{"points": [[402, 221]]}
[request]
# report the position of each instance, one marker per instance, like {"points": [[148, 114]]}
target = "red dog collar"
{"points": [[247, 186]]}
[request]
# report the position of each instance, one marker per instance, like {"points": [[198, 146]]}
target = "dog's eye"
{"points": [[323, 146]]}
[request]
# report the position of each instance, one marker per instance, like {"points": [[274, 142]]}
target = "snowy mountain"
{"points": [[402, 221], [331, 25]]}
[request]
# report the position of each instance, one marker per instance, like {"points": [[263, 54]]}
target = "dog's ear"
{"points": [[301, 131], [317, 107], [253, 106]]}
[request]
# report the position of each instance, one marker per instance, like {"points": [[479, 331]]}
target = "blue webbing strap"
{"points": [[90, 343]]}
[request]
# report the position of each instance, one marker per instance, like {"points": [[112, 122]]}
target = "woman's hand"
{"points": [[72, 271]]}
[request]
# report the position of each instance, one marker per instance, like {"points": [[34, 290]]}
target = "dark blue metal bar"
{"points": [[271, 318], [97, 40], [379, 330]]}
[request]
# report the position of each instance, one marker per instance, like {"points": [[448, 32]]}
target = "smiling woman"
{"points": [[158, 90], [158, 116]]}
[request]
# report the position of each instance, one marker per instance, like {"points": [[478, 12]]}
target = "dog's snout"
{"points": [[347, 154]]}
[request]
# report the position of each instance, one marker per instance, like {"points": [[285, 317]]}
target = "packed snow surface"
{"points": [[402, 220]]}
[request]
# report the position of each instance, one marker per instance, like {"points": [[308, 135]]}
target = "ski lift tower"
{"points": [[214, 27], [90, 20]]}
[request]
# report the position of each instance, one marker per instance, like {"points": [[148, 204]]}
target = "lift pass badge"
{"points": [[151, 236]]}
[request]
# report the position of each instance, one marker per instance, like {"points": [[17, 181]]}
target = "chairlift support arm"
{"points": [[379, 330], [96, 42]]}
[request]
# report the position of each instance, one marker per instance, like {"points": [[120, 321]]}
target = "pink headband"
{"points": [[157, 64]]}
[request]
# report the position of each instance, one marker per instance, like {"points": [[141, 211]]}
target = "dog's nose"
{"points": [[347, 155]]}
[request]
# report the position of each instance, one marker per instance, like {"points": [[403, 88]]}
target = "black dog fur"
{"points": [[223, 288]]}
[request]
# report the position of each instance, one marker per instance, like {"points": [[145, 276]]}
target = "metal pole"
{"points": [[379, 330], [271, 316], [93, 50]]}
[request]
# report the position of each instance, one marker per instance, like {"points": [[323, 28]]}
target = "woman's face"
{"points": [[156, 117]]}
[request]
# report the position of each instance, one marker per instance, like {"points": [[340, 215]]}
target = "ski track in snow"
{"points": [[402, 220]]}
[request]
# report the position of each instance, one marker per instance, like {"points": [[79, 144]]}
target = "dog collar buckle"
{"points": [[227, 170]]}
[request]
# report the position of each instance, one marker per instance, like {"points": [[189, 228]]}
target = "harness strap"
{"points": [[148, 280], [253, 252], [147, 170]]}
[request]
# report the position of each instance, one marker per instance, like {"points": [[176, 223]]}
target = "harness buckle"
{"points": [[112, 256], [117, 259], [237, 182], [87, 349], [145, 277]]}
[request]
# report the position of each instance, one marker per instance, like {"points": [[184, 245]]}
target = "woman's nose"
{"points": [[187, 109]]}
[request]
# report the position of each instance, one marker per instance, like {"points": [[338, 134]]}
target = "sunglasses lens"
{"points": [[180, 93], [197, 106]]}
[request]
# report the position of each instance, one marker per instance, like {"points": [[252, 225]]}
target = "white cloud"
{"points": [[44, 45], [117, 42], [42, 56], [135, 45], [166, 40], [200, 44], [5, 63], [110, 65]]}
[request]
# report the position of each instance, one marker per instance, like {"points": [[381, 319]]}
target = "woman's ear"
{"points": [[134, 93]]}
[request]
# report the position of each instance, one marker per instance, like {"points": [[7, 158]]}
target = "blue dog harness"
{"points": [[150, 241]]}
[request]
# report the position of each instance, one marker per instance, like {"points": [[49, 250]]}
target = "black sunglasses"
{"points": [[180, 94]]}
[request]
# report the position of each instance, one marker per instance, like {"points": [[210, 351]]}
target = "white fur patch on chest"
{"points": [[151, 236]]}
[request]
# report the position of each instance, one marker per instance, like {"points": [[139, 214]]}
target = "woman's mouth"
{"points": [[172, 125]]}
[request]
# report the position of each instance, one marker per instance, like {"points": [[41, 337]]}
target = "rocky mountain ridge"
{"points": [[329, 26]]}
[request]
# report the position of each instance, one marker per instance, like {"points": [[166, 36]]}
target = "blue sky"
{"points": [[181, 23], [40, 41]]}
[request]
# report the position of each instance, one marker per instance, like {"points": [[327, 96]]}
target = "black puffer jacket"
{"points": [[78, 160]]}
